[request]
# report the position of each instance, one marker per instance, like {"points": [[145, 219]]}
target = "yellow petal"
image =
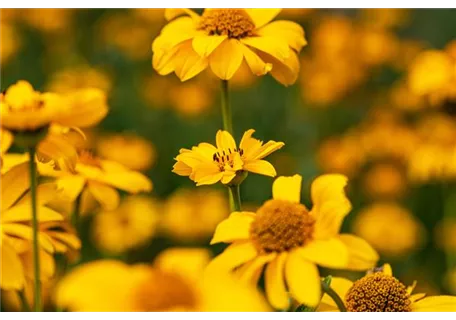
{"points": [[129, 181], [331, 253], [235, 255], [23, 213], [341, 286], [59, 150], [68, 239], [71, 186], [204, 45], [226, 59], [12, 272], [303, 280], [417, 296], [228, 176], [435, 304], [292, 32], [261, 167], [268, 148], [47, 265], [207, 173], [287, 188], [46, 192], [187, 62], [251, 271], [225, 140], [360, 254], [25, 232], [256, 65], [262, 16], [273, 46], [14, 183], [107, 196], [182, 169], [235, 227], [6, 139], [330, 205], [388, 270], [275, 283], [285, 71]]}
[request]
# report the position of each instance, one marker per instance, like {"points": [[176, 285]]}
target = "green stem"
{"points": [[76, 211], [36, 257], [24, 302], [226, 108], [333, 294], [235, 198]]}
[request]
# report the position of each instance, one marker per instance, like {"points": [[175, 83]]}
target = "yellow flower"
{"points": [[384, 180], [291, 241], [129, 150], [129, 226], [192, 215], [16, 230], [367, 294], [390, 229], [96, 179], [169, 285], [207, 164], [223, 39]]}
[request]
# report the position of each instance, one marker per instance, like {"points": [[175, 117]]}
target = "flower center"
{"points": [[226, 157], [234, 23], [378, 292], [86, 157], [280, 226], [165, 291]]}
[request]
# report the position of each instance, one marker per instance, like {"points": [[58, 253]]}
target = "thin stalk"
{"points": [[24, 302], [36, 256], [226, 108], [333, 294], [235, 198]]}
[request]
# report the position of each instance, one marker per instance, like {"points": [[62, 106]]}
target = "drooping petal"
{"points": [[268, 148], [235, 227], [256, 65], [226, 59], [273, 46], [292, 32], [275, 283], [331, 253], [204, 44], [249, 145], [330, 204], [435, 304], [182, 169], [25, 232], [58, 151], [303, 280], [251, 271], [235, 255], [262, 16], [107, 196], [287, 188], [14, 183], [361, 256], [187, 63], [71, 186], [261, 167], [12, 272], [285, 71], [23, 213]]}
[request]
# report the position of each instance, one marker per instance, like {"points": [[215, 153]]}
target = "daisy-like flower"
{"points": [[207, 164], [380, 291], [291, 241], [223, 39], [16, 230], [50, 116], [175, 282], [97, 179]]}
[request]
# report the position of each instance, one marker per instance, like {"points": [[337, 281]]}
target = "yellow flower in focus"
{"points": [[207, 164], [385, 180], [79, 77], [391, 229], [108, 285], [129, 226], [291, 241], [10, 41], [96, 179], [223, 39], [130, 150], [367, 295], [192, 215], [16, 230]]}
